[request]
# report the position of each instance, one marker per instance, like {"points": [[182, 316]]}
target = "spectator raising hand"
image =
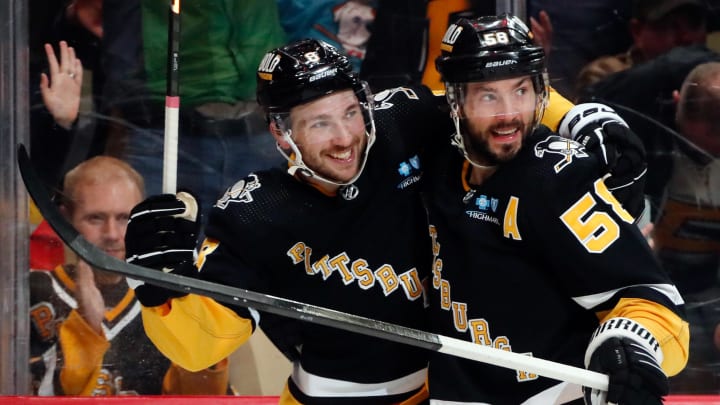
{"points": [[543, 30], [61, 91]]}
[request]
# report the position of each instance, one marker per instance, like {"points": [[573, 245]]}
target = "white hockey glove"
{"points": [[162, 234], [630, 355], [606, 135]]}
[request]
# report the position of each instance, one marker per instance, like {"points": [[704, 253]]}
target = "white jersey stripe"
{"points": [[316, 386], [590, 301]]}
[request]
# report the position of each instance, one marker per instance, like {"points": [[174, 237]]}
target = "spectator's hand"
{"points": [[88, 13], [606, 135], [635, 376], [543, 31], [162, 234], [61, 93], [91, 305]]}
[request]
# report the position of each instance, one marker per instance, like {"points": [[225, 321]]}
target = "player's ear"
{"points": [[675, 97], [277, 134]]}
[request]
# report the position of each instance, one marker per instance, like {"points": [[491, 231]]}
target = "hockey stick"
{"points": [[172, 101], [294, 309]]}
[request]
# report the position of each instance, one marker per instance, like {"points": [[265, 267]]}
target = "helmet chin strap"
{"points": [[458, 141], [298, 165]]}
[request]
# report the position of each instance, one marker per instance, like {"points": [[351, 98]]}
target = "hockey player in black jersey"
{"points": [[341, 227], [532, 252]]}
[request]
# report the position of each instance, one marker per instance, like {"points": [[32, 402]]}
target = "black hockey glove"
{"points": [[635, 374], [606, 135], [162, 234]]}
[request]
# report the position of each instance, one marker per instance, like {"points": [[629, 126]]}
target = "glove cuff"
{"points": [[621, 327]]}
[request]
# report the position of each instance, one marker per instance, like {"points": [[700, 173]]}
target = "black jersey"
{"points": [[527, 262], [365, 251]]}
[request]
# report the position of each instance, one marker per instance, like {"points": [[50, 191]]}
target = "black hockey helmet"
{"points": [[302, 72], [488, 48]]}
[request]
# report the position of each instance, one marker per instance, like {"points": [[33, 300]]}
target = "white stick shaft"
{"points": [[518, 361], [170, 152]]}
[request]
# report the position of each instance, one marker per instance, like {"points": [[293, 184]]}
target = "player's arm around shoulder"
{"points": [[557, 107]]}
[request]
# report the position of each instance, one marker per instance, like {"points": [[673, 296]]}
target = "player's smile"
{"points": [[342, 163], [506, 134], [344, 156]]}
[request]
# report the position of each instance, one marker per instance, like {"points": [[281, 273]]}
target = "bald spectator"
{"points": [[686, 235]]}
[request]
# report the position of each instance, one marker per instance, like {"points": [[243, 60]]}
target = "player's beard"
{"points": [[478, 147], [322, 168]]}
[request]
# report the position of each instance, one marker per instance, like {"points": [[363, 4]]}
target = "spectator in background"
{"points": [[343, 24], [222, 135], [582, 31], [656, 26], [75, 23], [643, 96], [61, 96], [60, 89], [668, 41], [686, 235], [87, 336]]}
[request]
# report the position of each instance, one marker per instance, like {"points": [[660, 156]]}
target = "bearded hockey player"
{"points": [[532, 252]]}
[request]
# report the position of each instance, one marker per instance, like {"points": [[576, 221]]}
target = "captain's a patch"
{"points": [[566, 148], [240, 192]]}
